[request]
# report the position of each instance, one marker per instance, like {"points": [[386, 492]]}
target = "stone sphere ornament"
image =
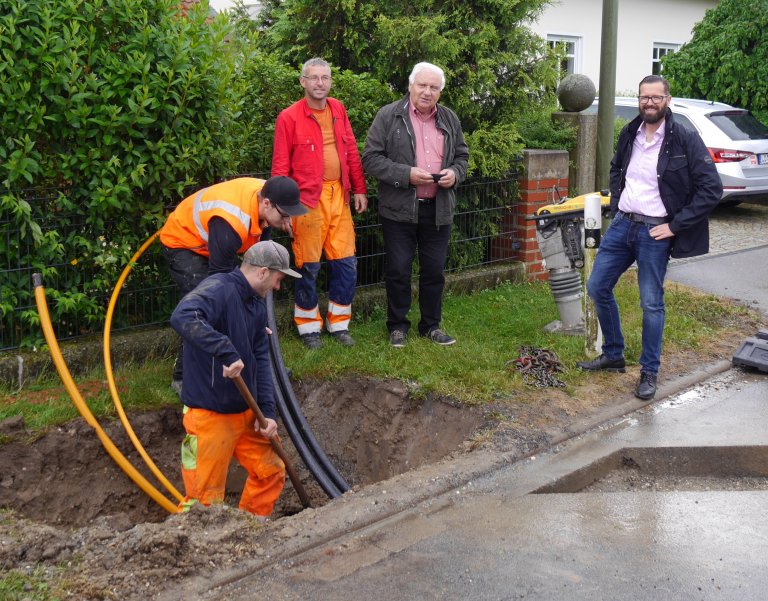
{"points": [[576, 92]]}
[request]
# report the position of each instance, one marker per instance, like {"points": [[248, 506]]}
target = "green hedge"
{"points": [[118, 104], [123, 102], [111, 110]]}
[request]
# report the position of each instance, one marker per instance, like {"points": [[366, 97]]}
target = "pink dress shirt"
{"points": [[641, 184], [428, 141]]}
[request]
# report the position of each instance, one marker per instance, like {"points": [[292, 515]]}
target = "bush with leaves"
{"points": [[266, 85], [119, 104], [497, 69]]}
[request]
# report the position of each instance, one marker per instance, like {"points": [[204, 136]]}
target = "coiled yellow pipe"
{"points": [[111, 378], [82, 407]]}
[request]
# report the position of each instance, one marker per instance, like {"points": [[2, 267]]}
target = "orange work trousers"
{"points": [[212, 440], [329, 229]]}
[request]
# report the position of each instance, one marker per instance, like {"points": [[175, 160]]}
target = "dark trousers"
{"points": [[188, 269], [400, 243]]}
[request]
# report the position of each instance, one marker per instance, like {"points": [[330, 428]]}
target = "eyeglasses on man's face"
{"points": [[316, 78], [282, 213], [653, 99]]}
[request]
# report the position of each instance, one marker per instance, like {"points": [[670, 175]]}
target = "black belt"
{"points": [[638, 218], [426, 201]]}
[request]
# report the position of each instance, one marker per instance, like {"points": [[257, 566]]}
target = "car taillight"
{"points": [[723, 155]]}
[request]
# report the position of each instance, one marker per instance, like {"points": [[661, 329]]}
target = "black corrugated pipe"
{"points": [[296, 423]]}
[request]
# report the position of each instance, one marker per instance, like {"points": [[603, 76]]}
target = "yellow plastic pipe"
{"points": [[111, 378], [82, 407]]}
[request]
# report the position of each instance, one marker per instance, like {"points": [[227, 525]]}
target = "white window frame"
{"points": [[573, 58], [661, 49]]}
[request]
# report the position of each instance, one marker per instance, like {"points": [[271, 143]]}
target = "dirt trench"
{"points": [[73, 520], [371, 431], [71, 517]]}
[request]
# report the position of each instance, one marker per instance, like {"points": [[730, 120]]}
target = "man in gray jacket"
{"points": [[416, 149]]}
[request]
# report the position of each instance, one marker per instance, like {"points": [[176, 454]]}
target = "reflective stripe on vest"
{"points": [[209, 205]]}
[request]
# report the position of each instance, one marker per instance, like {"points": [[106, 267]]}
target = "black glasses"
{"points": [[283, 214], [653, 99]]}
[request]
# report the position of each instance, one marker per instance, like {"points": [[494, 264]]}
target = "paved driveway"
{"points": [[738, 228]]}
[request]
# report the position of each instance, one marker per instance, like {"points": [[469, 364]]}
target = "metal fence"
{"points": [[487, 211]]}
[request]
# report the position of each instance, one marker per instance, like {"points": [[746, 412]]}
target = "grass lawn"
{"points": [[490, 327]]}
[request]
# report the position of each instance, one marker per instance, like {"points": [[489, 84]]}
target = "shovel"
{"points": [[297, 485]]}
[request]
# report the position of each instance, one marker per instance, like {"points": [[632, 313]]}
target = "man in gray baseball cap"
{"points": [[271, 255], [224, 326]]}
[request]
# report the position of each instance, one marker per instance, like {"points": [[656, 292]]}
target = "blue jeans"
{"points": [[624, 243]]}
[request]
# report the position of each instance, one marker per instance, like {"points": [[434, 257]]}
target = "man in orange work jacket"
{"points": [[209, 228], [315, 145]]}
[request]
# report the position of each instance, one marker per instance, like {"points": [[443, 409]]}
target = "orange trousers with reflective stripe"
{"points": [[326, 228], [212, 440]]}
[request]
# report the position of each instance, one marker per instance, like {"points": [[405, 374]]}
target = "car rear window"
{"points": [[739, 125]]}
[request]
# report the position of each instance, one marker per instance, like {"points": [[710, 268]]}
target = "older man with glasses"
{"points": [[664, 184], [315, 145]]}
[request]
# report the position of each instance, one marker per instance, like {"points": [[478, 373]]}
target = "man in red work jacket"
{"points": [[207, 230], [315, 145]]}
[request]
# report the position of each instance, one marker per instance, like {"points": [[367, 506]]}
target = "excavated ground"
{"points": [[68, 512], [370, 430]]}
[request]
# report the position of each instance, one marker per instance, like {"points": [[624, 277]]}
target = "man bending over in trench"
{"points": [[224, 326]]}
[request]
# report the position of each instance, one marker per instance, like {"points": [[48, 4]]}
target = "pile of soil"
{"points": [[68, 508]]}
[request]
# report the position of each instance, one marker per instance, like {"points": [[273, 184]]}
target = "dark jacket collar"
{"points": [[243, 287]]}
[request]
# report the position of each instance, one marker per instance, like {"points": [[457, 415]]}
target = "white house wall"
{"points": [[641, 24]]}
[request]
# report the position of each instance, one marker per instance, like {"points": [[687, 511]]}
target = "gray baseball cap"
{"points": [[269, 253]]}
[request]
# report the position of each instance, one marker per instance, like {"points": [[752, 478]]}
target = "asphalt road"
{"points": [[737, 228], [737, 265]]}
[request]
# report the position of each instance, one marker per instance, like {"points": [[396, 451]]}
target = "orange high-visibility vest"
{"points": [[236, 201]]}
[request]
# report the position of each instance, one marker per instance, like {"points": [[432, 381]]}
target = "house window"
{"points": [[571, 49], [661, 49]]}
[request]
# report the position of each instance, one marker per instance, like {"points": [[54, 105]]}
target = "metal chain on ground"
{"points": [[538, 367]]}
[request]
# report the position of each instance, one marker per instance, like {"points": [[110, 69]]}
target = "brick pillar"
{"points": [[543, 170]]}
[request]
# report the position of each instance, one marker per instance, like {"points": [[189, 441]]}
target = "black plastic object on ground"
{"points": [[753, 352], [295, 422]]}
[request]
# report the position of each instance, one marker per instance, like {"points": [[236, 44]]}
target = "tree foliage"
{"points": [[726, 57], [265, 86]]}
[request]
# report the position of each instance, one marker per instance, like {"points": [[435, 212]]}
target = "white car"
{"points": [[736, 140]]}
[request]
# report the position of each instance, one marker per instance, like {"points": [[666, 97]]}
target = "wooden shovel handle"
{"points": [[297, 485]]}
